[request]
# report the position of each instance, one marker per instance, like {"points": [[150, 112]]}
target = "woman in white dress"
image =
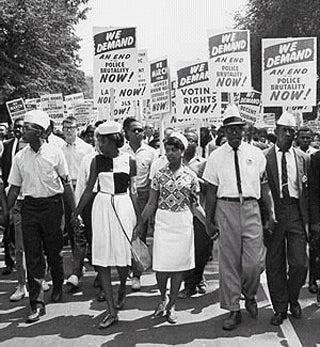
{"points": [[113, 213], [174, 197]]}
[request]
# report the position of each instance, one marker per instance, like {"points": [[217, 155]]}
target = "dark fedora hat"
{"points": [[232, 116]]}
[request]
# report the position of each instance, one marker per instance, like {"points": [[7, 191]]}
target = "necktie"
{"points": [[236, 164], [285, 187]]}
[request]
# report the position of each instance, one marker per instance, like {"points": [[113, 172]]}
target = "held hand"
{"points": [[212, 231], [136, 231], [270, 225]]}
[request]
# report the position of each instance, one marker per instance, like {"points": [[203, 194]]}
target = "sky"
{"points": [[173, 28]]}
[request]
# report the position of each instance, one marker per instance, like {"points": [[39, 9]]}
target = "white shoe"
{"points": [[45, 286], [73, 281], [19, 294], [135, 283]]}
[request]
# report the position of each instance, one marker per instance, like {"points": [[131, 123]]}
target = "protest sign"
{"points": [[72, 100], [84, 112], [115, 65], [289, 71], [195, 98], [249, 106], [160, 86], [229, 61], [32, 104], [143, 74], [53, 105], [16, 108]]}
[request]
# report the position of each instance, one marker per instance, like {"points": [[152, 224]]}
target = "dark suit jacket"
{"points": [[6, 160], [302, 164], [314, 188]]}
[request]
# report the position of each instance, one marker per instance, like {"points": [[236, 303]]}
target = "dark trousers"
{"points": [[202, 248], [314, 259], [68, 227], [287, 246], [143, 196], [41, 226], [9, 248], [83, 240]]}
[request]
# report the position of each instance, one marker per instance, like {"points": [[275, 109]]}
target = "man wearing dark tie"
{"points": [[236, 180], [286, 260]]}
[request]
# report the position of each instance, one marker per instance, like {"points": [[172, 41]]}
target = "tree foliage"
{"points": [[38, 47], [277, 18]]}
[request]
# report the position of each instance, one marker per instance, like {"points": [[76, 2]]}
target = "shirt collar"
{"points": [[290, 150], [230, 149]]}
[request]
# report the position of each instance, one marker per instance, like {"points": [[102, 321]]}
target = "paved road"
{"points": [[74, 321]]}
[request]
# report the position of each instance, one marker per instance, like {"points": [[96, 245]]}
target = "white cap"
{"points": [[38, 117], [232, 116], [287, 119], [180, 137], [109, 127]]}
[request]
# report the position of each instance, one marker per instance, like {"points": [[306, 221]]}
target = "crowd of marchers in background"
{"points": [[97, 188]]}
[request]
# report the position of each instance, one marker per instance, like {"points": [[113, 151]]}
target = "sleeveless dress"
{"points": [[112, 206]]}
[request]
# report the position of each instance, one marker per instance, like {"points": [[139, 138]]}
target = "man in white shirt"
{"points": [[304, 139], [74, 150], [235, 173], [40, 173], [287, 261], [144, 156]]}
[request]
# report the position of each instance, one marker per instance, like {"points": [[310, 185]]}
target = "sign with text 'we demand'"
{"points": [[229, 61], [289, 71]]}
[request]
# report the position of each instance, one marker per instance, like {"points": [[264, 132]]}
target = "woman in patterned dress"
{"points": [[174, 197], [113, 213]]}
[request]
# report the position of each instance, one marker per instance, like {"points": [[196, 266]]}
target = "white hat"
{"points": [[287, 119], [109, 127], [232, 116], [180, 137], [38, 117]]}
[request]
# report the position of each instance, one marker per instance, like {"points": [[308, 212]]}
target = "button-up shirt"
{"points": [[221, 172], [177, 190], [38, 173], [74, 153], [291, 170], [144, 157]]}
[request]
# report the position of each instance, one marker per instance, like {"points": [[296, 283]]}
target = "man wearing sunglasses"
{"points": [[144, 156], [40, 173]]}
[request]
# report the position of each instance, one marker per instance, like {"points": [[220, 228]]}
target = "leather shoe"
{"points": [[278, 318], [313, 288], [295, 310], [35, 314], [108, 321], [7, 270], [56, 295], [186, 293], [252, 307], [232, 321], [101, 296]]}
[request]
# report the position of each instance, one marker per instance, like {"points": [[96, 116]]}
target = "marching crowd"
{"points": [[255, 192]]}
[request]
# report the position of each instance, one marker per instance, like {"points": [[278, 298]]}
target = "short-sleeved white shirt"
{"points": [[220, 170], [38, 173]]}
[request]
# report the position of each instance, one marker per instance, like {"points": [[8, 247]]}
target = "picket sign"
{"points": [[112, 92]]}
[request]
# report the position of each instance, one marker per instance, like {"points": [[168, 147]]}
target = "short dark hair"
{"points": [[117, 138], [174, 141], [128, 121], [304, 128], [70, 119]]}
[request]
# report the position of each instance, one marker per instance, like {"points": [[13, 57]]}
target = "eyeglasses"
{"points": [[69, 128], [233, 129], [139, 130]]}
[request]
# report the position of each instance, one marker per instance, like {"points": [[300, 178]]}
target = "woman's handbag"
{"points": [[141, 254], [139, 250]]}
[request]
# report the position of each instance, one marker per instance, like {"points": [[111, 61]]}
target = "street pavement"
{"points": [[74, 321]]}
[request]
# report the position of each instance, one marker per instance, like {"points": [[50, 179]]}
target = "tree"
{"points": [[38, 47], [277, 18]]}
